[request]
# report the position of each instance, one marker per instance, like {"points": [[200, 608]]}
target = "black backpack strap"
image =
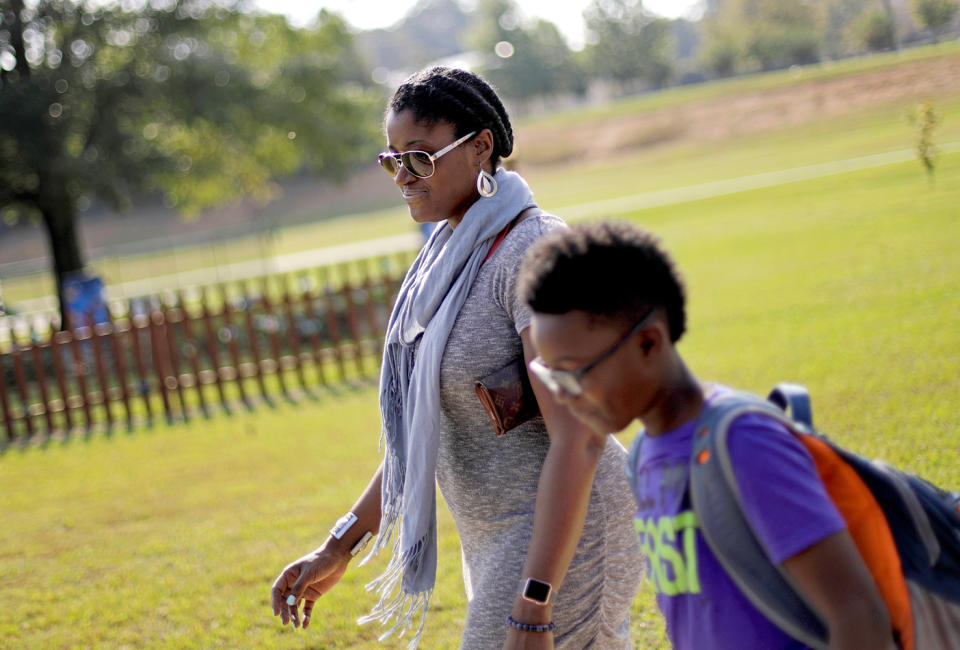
{"points": [[716, 501], [923, 520]]}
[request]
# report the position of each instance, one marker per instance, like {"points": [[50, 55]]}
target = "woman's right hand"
{"points": [[307, 578]]}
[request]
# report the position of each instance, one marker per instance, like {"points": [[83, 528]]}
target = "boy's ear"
{"points": [[650, 338]]}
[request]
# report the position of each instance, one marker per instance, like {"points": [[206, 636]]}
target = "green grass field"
{"points": [[849, 284]]}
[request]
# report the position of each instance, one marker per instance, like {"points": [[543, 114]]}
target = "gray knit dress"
{"points": [[490, 482]]}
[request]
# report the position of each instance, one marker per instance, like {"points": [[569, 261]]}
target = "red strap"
{"points": [[496, 242], [503, 235]]}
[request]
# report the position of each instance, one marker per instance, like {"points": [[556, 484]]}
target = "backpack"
{"points": [[906, 529]]}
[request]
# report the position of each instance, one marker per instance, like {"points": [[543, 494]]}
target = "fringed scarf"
{"points": [[427, 305]]}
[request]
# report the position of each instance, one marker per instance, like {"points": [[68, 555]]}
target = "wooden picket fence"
{"points": [[191, 353]]}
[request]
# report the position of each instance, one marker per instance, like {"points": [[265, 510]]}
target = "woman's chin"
{"points": [[416, 212], [423, 216]]}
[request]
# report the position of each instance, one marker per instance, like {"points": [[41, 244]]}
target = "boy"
{"points": [[608, 312]]}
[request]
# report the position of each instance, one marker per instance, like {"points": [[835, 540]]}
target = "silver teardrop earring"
{"points": [[486, 183]]}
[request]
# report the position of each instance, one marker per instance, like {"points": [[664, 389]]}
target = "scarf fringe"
{"points": [[413, 604], [394, 604]]}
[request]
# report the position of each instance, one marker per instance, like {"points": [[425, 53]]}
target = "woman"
{"points": [[544, 511]]}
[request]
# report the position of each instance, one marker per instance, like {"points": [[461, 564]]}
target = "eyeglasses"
{"points": [[570, 381], [419, 163]]}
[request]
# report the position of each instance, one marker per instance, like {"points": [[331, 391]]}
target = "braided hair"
{"points": [[459, 97]]}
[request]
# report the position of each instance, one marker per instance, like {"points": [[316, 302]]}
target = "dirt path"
{"points": [[752, 112]]}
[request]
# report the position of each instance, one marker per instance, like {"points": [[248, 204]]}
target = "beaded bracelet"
{"points": [[530, 627]]}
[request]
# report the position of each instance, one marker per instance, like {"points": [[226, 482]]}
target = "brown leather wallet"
{"points": [[507, 396]]}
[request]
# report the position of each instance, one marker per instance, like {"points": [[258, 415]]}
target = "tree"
{"points": [[190, 99], [841, 33], [522, 61], [626, 42], [768, 34], [723, 50], [924, 119], [431, 30], [783, 34], [935, 15], [875, 30], [892, 15]]}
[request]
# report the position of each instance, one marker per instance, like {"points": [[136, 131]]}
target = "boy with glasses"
{"points": [[608, 310]]}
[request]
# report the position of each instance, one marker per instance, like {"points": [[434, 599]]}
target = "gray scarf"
{"points": [[427, 305]]}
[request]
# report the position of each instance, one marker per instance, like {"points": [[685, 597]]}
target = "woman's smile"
{"points": [[412, 195]]}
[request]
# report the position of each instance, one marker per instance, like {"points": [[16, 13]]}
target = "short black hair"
{"points": [[462, 98], [612, 270]]}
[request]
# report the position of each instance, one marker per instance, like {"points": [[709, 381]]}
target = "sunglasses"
{"points": [[419, 163], [570, 381]]}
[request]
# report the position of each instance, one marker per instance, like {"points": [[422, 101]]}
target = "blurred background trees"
{"points": [[764, 34], [522, 61], [626, 43], [191, 100], [876, 30], [632, 49], [432, 30], [935, 15]]}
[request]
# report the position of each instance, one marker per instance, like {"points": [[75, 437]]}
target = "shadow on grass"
{"points": [[210, 412]]}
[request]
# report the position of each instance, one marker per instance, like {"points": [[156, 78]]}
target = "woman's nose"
{"points": [[403, 177]]}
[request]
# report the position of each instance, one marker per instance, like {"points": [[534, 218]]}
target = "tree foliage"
{"points": [[875, 30], [765, 34], [841, 29], [925, 119], [522, 61], [627, 43], [935, 14], [191, 99], [433, 29]]}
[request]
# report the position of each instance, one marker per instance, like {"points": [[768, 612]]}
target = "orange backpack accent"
{"points": [[906, 529], [870, 532]]}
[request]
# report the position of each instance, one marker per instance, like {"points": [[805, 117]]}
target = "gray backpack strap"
{"points": [[633, 455], [794, 400], [716, 500]]}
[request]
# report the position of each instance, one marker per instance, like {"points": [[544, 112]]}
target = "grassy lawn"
{"points": [[171, 537]]}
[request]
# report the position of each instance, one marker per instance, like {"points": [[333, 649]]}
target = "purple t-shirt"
{"points": [[784, 501]]}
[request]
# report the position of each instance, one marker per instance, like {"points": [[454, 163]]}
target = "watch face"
{"points": [[537, 590]]}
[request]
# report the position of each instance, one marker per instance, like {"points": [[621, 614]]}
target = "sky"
{"points": [[567, 15]]}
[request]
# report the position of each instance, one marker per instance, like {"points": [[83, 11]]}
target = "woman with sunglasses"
{"points": [[544, 512]]}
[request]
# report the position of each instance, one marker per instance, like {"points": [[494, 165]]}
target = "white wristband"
{"points": [[361, 543], [343, 525]]}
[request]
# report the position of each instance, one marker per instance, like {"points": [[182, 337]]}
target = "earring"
{"points": [[486, 183]]}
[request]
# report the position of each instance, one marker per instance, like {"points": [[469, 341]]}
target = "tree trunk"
{"points": [[16, 39], [59, 218], [888, 6]]}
